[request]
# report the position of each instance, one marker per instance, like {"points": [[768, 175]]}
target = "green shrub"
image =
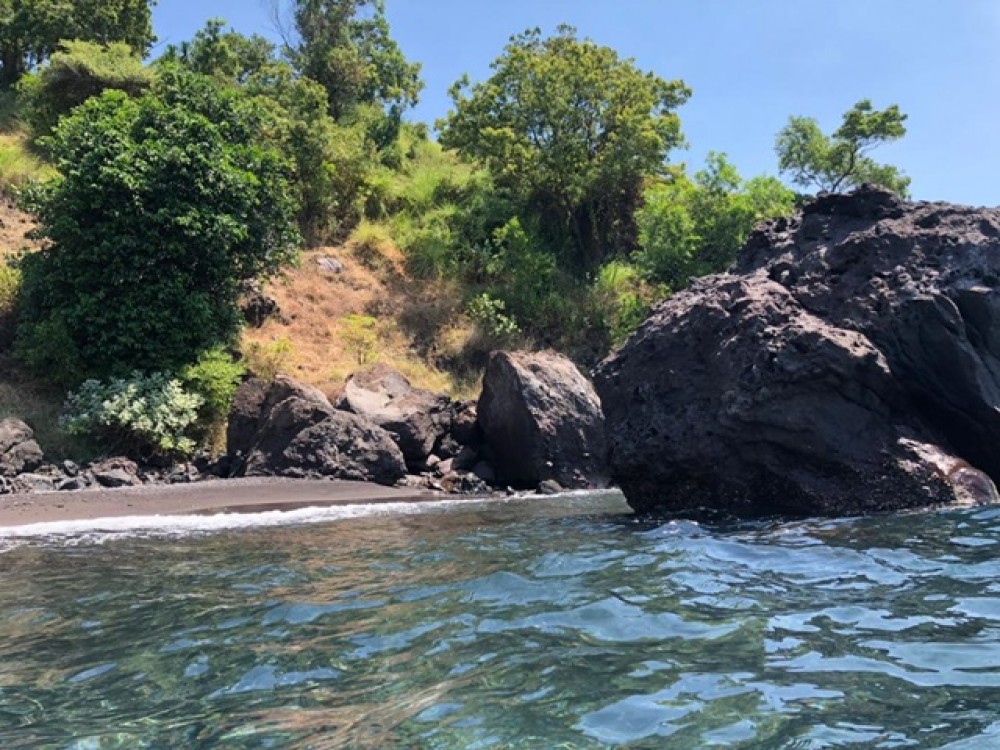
{"points": [[166, 204], [77, 72], [265, 361], [10, 285], [215, 378], [359, 334], [491, 318], [142, 415]]}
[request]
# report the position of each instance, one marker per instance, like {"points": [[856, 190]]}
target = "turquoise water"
{"points": [[561, 623]]}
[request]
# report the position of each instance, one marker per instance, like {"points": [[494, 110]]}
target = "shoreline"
{"points": [[206, 498]]}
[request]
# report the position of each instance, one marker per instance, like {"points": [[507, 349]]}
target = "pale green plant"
{"points": [[140, 414]]}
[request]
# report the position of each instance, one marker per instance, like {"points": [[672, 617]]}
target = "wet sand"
{"points": [[200, 498]]}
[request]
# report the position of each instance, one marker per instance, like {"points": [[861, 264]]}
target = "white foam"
{"points": [[103, 529]]}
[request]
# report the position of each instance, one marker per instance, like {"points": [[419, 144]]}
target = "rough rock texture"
{"points": [[542, 420], [418, 419], [850, 362], [256, 306], [18, 450], [289, 429]]}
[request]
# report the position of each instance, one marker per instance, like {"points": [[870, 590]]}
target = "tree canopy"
{"points": [[346, 47], [840, 162], [31, 30], [165, 203], [570, 130], [692, 227]]}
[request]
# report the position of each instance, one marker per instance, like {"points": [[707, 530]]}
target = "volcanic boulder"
{"points": [[542, 421], [289, 429], [19, 452], [417, 418], [849, 362]]}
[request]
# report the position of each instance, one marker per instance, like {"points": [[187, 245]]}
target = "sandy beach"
{"points": [[201, 498]]}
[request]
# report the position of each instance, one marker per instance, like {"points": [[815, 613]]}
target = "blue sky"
{"points": [[751, 64]]}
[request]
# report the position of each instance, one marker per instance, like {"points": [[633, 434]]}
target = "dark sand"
{"points": [[200, 498]]}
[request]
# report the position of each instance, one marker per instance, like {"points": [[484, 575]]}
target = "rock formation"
{"points": [[849, 362], [18, 450], [542, 421], [289, 429], [417, 418]]}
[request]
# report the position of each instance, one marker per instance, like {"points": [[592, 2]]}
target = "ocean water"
{"points": [[550, 623]]}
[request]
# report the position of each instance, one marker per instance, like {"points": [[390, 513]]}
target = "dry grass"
{"points": [[416, 324]]}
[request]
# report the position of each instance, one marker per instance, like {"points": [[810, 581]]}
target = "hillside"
{"points": [[331, 323]]}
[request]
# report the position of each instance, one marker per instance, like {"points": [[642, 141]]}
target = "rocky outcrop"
{"points": [[850, 362], [19, 452], [256, 306], [289, 429], [417, 419], [542, 421]]}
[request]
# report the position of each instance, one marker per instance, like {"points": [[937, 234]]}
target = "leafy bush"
{"points": [[10, 284], [265, 361], [490, 316], [166, 203], [77, 72], [695, 227], [359, 334], [142, 415], [215, 378]]}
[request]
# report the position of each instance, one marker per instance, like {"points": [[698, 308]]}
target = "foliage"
{"points": [[166, 203], [78, 71], [10, 286], [623, 297], [345, 46], [695, 227], [227, 55], [359, 334], [214, 377], [491, 318], [265, 361], [331, 161], [141, 414], [19, 167], [840, 162], [570, 130], [32, 30]]}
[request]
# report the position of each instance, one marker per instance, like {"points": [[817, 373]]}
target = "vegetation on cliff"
{"points": [[548, 213]]}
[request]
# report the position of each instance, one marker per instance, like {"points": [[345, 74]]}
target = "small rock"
{"points": [[331, 265], [29, 482], [72, 483], [549, 487]]}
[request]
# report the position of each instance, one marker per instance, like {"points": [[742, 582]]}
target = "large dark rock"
{"points": [[850, 362], [19, 452], [542, 420], [416, 417], [289, 429]]}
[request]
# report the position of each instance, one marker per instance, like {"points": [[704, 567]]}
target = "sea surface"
{"points": [[537, 623]]}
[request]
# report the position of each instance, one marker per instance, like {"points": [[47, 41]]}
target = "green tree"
{"points": [[77, 72], [571, 131], [692, 227], [840, 162], [165, 203], [346, 47], [31, 30], [228, 55]]}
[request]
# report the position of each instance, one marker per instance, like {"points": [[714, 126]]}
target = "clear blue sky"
{"points": [[751, 64]]}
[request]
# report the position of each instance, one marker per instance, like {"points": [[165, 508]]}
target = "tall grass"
{"points": [[18, 166]]}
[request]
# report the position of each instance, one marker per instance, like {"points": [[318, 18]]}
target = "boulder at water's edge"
{"points": [[289, 429], [542, 421], [849, 362]]}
